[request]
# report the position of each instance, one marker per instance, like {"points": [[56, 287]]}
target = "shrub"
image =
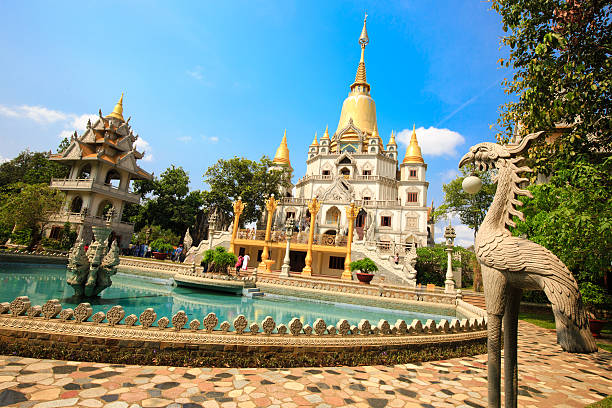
{"points": [[22, 237], [595, 297], [365, 265], [218, 259], [160, 245], [51, 243]]}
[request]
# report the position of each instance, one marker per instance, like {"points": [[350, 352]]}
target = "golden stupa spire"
{"points": [[413, 152], [326, 135], [282, 153], [117, 113], [314, 142], [360, 77], [392, 139]]}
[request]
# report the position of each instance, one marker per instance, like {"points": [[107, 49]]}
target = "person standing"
{"points": [[245, 262], [239, 265]]}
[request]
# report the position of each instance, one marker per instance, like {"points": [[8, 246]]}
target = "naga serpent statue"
{"points": [[510, 264]]}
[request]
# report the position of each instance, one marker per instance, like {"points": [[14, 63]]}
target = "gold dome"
{"points": [[413, 152], [282, 153], [117, 113], [359, 105]]}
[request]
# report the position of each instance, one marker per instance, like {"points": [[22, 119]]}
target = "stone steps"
{"points": [[252, 292]]}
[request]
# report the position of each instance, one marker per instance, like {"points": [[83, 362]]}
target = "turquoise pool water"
{"points": [[43, 282]]}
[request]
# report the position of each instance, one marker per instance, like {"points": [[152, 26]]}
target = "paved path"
{"points": [[548, 377]]}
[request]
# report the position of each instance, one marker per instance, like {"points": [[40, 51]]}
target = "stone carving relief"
{"points": [[339, 190]]}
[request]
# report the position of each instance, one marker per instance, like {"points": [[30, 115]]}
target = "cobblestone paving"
{"points": [[548, 378]]}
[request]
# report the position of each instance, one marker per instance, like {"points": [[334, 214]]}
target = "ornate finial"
{"points": [[315, 142], [282, 153], [363, 38], [392, 138], [413, 152], [117, 113], [326, 135]]}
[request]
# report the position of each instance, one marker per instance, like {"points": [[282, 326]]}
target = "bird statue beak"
{"points": [[467, 158]]}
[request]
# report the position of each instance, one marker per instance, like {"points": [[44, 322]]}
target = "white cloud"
{"points": [[196, 73], [38, 114], [184, 139], [210, 139], [449, 175], [434, 141], [80, 122], [3, 159], [465, 235], [143, 146], [65, 134]]}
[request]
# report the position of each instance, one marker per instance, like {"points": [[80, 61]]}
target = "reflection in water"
{"points": [[43, 282]]}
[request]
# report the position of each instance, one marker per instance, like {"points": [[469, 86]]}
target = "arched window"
{"points": [[103, 208], [113, 178], [77, 204], [332, 216], [345, 171], [345, 160], [85, 172]]}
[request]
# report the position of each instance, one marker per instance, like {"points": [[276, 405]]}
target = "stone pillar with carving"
{"points": [[212, 225], [449, 283], [313, 206], [266, 262], [289, 225], [351, 213], [238, 208]]}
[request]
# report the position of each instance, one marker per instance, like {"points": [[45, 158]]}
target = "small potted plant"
{"points": [[366, 268], [161, 249], [595, 299]]}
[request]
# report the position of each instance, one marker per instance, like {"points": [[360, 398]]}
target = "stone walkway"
{"points": [[547, 378]]}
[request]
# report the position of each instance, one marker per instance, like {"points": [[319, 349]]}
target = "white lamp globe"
{"points": [[471, 184]]}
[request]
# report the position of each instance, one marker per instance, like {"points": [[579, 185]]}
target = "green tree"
{"points": [[365, 265], [31, 168], [471, 208], [560, 55], [240, 177], [31, 208], [432, 263], [171, 205]]}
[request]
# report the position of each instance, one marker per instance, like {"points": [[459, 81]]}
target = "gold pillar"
{"points": [[271, 204], [313, 206], [238, 208], [351, 213]]}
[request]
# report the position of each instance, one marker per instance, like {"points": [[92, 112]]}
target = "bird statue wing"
{"points": [[513, 254]]}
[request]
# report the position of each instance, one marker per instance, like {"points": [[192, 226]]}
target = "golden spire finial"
{"points": [[413, 152], [282, 153], [360, 77], [314, 142], [117, 113], [392, 138], [326, 135]]}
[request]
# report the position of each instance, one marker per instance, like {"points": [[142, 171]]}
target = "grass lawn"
{"points": [[604, 403], [546, 320]]}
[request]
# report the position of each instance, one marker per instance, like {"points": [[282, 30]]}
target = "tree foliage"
{"points": [[31, 168], [471, 208], [219, 260], [30, 208], [170, 206], [240, 177], [432, 263], [560, 53], [365, 265]]}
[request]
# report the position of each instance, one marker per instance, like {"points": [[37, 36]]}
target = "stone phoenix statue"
{"points": [[510, 264]]}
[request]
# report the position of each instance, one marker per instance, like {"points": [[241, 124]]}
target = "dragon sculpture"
{"points": [[510, 264], [90, 271]]}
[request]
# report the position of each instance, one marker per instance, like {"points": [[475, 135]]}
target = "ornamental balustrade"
{"points": [[299, 238]]}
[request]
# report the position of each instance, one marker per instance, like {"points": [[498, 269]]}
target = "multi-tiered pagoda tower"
{"points": [[103, 163]]}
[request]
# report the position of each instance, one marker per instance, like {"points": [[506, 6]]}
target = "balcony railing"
{"points": [[359, 203], [88, 184], [77, 218], [296, 238]]}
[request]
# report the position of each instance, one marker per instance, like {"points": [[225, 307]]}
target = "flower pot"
{"points": [[596, 325], [160, 255], [364, 277]]}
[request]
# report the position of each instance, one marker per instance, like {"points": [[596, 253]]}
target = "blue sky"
{"points": [[210, 80]]}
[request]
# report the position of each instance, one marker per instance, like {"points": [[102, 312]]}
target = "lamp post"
{"points": [[265, 264], [313, 206], [449, 283], [289, 225], [238, 208], [351, 213]]}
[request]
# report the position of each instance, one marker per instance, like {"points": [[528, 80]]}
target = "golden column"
{"points": [[351, 213], [238, 208], [313, 206], [265, 263]]}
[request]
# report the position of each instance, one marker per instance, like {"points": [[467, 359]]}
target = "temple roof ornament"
{"points": [[315, 142], [392, 139], [117, 113], [359, 105], [413, 152], [326, 135], [282, 153]]}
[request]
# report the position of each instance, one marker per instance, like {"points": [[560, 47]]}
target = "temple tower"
{"points": [[103, 163]]}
